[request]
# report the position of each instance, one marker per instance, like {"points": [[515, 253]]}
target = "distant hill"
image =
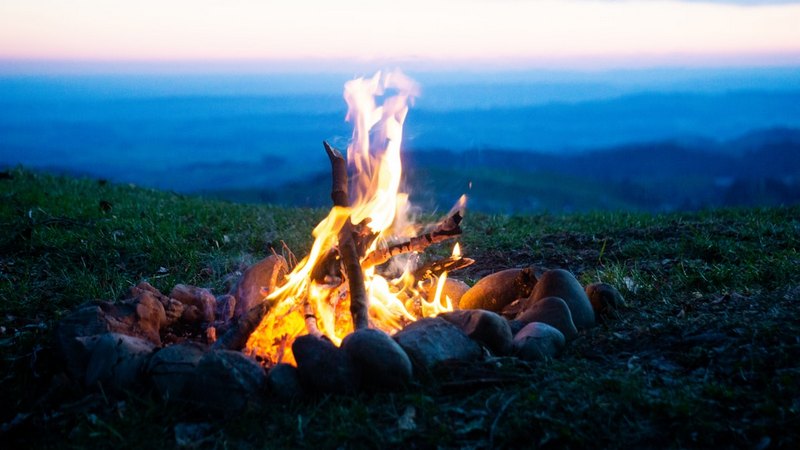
{"points": [[758, 168]]}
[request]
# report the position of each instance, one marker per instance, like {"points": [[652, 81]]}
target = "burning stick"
{"points": [[447, 229], [436, 268], [359, 307]]}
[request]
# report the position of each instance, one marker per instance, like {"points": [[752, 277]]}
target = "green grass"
{"points": [[704, 354]]}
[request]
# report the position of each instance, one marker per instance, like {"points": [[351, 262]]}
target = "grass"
{"points": [[704, 354]]}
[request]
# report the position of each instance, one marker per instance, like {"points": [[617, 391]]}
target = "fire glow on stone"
{"points": [[378, 205]]}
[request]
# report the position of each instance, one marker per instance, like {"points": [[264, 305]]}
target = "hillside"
{"points": [[704, 354]]}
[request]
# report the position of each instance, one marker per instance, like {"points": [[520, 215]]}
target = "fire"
{"points": [[315, 298]]}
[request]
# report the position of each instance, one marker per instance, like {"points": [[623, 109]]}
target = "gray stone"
{"points": [[605, 299], [493, 292], [562, 284], [552, 311], [381, 362], [433, 340], [538, 342], [284, 382], [485, 327], [173, 368], [257, 282], [228, 381], [201, 298], [515, 326], [324, 367], [116, 360]]}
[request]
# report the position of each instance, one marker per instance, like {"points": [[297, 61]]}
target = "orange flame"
{"points": [[374, 157]]}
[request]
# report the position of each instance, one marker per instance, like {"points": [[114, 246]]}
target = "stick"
{"points": [[436, 268], [236, 337], [447, 229], [359, 306]]}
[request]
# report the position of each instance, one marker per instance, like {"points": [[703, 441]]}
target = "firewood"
{"points": [[359, 307], [447, 229], [436, 268]]}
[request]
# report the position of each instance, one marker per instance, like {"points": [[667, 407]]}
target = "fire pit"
{"points": [[362, 311]]}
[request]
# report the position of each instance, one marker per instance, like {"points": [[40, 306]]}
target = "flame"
{"points": [[374, 158]]}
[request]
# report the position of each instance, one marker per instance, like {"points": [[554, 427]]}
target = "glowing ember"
{"points": [[315, 297]]}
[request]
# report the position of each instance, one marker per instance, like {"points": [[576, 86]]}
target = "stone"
{"points": [[116, 361], [191, 315], [173, 368], [485, 327], [381, 362], [257, 282], [173, 310], [433, 340], [323, 367], [99, 317], [228, 381], [226, 305], [150, 317], [515, 326], [283, 382], [538, 341], [144, 286], [453, 288], [562, 284], [493, 292], [201, 298], [605, 299], [552, 311]]}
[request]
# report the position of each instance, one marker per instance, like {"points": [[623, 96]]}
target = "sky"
{"points": [[473, 34]]}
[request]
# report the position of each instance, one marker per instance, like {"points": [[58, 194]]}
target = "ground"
{"points": [[704, 354]]}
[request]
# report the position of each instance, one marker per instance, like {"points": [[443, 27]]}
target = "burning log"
{"points": [[445, 230], [359, 306]]}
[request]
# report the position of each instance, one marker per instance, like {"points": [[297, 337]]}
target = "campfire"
{"points": [[338, 287], [363, 310]]}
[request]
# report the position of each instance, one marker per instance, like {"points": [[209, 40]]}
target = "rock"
{"points": [[116, 361], [228, 381], [96, 318], [485, 327], [173, 310], [515, 326], [284, 382], [562, 284], [538, 341], [433, 340], [455, 289], [150, 317], [324, 367], [201, 298], [173, 368], [191, 315], [226, 305], [257, 282], [144, 286], [495, 291], [514, 308], [381, 362], [552, 311], [605, 299]]}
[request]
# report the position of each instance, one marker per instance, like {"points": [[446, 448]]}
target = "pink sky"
{"points": [[471, 33]]}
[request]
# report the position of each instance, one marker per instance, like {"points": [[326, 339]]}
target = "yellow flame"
{"points": [[374, 156]]}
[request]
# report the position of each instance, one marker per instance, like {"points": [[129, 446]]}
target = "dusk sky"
{"points": [[431, 34]]}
